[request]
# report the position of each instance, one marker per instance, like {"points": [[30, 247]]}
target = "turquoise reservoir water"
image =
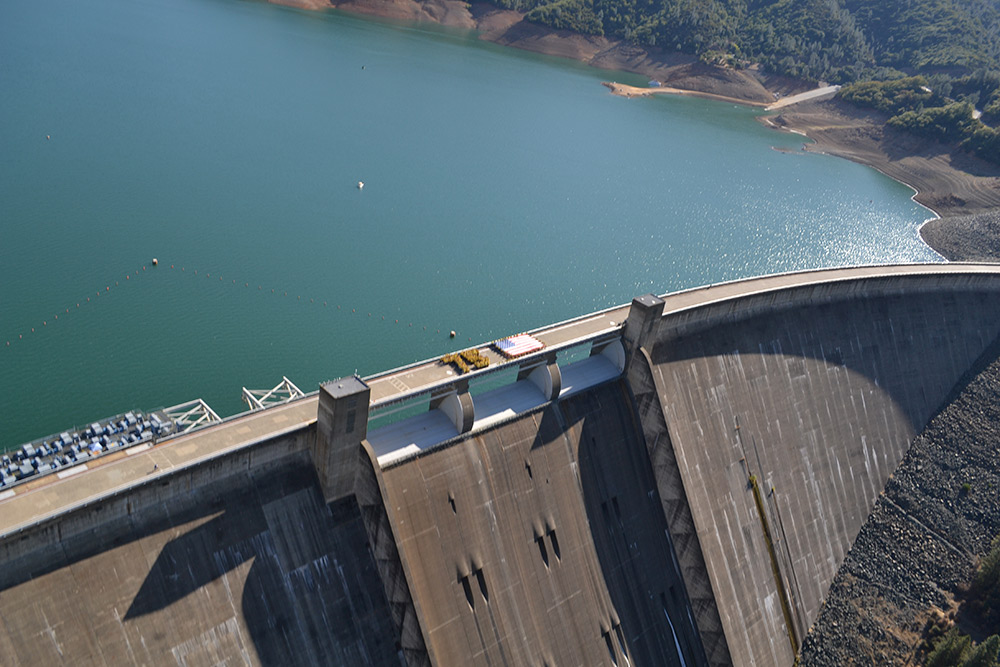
{"points": [[503, 191]]}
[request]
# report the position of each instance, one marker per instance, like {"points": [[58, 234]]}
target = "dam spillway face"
{"points": [[774, 421], [685, 495], [541, 541], [249, 569]]}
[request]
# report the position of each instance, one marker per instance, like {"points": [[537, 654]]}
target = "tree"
{"points": [[985, 655], [950, 651]]}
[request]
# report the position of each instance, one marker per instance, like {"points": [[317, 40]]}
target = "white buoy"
{"points": [[361, 185]]}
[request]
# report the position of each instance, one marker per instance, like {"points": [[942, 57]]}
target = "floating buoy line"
{"points": [[93, 297]]}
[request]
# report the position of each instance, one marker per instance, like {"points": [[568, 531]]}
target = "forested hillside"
{"points": [[937, 60], [832, 40]]}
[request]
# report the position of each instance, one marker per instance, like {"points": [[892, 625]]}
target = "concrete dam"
{"points": [[671, 482]]}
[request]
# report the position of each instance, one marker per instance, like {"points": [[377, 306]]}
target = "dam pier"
{"points": [[674, 481]]}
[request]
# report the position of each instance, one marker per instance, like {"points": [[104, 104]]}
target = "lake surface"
{"points": [[503, 191]]}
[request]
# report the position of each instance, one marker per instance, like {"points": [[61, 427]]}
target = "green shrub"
{"points": [[950, 651], [984, 655], [891, 97]]}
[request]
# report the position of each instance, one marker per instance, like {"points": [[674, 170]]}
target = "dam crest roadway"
{"points": [[671, 481]]}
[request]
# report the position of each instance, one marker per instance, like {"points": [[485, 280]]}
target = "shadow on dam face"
{"points": [[259, 571], [910, 347], [629, 531]]}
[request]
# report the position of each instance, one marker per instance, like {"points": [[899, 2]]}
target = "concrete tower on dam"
{"points": [[670, 482]]}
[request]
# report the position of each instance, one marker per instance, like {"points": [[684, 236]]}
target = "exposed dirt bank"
{"points": [[508, 28], [624, 90]]}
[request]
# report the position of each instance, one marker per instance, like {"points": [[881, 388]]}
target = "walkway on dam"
{"points": [[46, 497]]}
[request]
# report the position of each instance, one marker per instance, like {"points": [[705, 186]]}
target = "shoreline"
{"points": [[625, 90], [962, 191]]}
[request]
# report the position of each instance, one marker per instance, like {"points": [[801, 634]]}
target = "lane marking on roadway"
{"points": [[75, 470], [131, 451]]}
